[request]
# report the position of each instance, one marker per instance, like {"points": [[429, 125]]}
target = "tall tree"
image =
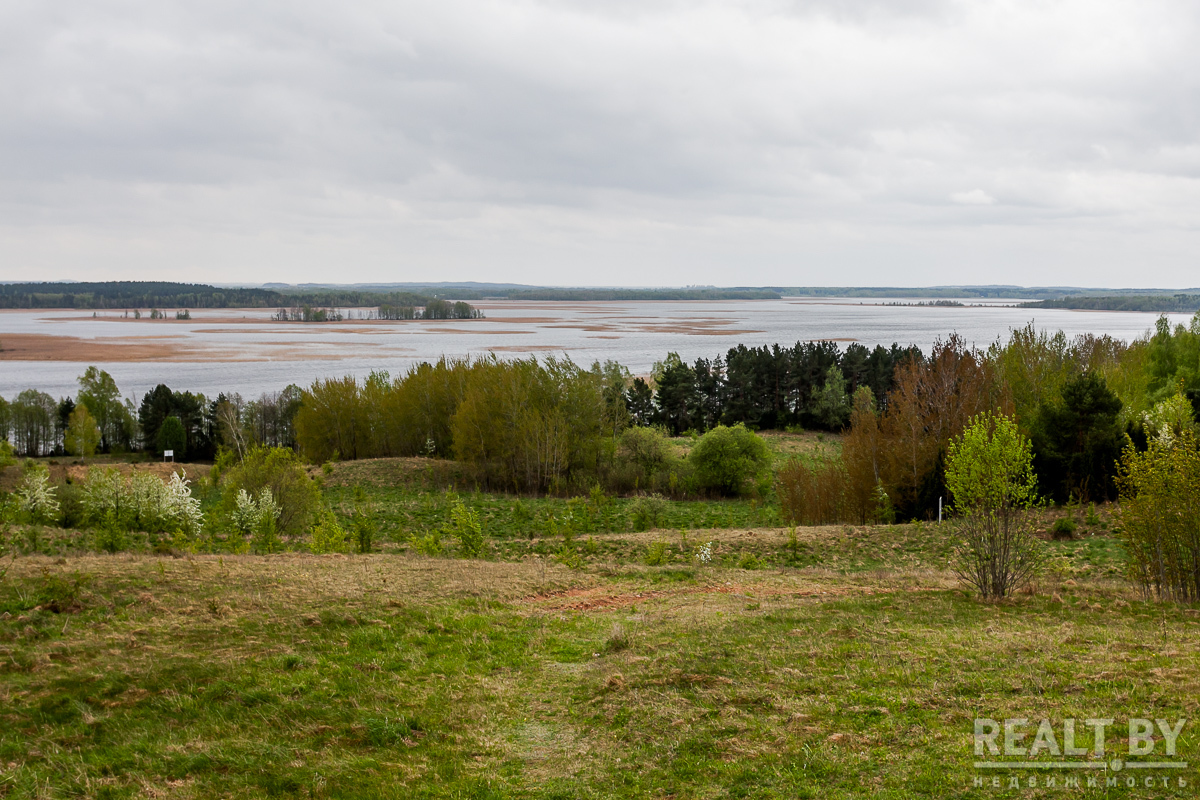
{"points": [[1077, 440], [82, 435]]}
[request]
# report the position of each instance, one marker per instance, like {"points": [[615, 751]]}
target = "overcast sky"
{"points": [[631, 142]]}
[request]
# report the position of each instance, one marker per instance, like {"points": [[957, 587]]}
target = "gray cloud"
{"points": [[619, 142]]}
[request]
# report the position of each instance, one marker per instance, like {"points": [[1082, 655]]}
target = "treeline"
{"points": [[193, 426], [583, 295], [152, 294], [1080, 402], [533, 426], [1158, 303]]}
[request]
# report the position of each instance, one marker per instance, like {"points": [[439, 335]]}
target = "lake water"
{"points": [[245, 351]]}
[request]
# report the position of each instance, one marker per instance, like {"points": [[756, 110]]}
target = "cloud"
{"points": [[975, 197], [658, 142]]}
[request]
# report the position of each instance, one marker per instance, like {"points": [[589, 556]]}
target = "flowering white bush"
{"points": [[36, 495], [705, 553], [251, 513], [104, 494], [185, 508], [142, 501]]}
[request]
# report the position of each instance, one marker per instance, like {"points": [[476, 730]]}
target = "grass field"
{"points": [[841, 661]]}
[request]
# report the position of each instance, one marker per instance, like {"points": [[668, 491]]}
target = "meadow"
{"points": [[715, 654]]}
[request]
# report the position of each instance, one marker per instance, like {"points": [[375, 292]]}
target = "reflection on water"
{"points": [[271, 354]]}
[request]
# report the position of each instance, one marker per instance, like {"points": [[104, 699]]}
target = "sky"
{"points": [[613, 142]]}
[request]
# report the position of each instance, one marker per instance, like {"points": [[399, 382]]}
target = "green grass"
{"points": [[386, 676], [832, 662]]}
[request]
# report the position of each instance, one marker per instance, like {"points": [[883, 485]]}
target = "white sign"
{"points": [[168, 453]]}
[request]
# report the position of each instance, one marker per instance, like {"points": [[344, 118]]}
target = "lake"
{"points": [[240, 350]]}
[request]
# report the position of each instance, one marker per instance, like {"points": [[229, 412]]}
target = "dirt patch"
{"points": [[605, 599]]}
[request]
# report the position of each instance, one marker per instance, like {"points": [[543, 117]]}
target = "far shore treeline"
{"points": [[552, 426], [144, 294], [151, 294]]}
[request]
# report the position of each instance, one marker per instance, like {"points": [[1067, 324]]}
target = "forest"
{"points": [[148, 294]]}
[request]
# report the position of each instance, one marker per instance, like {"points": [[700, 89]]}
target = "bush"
{"points": [[656, 555], [364, 532], [465, 525], [280, 471], [1063, 528], [729, 461], [647, 512], [327, 535], [36, 497], [1160, 515], [428, 545], [644, 458], [140, 502], [812, 494], [989, 471]]}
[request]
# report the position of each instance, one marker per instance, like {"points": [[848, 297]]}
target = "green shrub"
{"points": [[644, 458], [428, 545], [465, 525], [1063, 528], [656, 554], [109, 535], [729, 461], [569, 557], [364, 532], [279, 470], [327, 535], [1160, 506], [647, 512], [749, 561]]}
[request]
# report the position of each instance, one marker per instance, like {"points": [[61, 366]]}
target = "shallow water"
{"points": [[244, 351]]}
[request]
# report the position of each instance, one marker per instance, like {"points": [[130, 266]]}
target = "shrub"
{"points": [[364, 532], [109, 535], [140, 502], [428, 545], [729, 461], [749, 561], [812, 494], [644, 458], [280, 471], [1160, 515], [465, 525], [647, 512], [327, 535], [989, 471], [36, 497], [1063, 528], [656, 555]]}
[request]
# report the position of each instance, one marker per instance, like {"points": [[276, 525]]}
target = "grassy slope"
{"points": [[850, 665]]}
